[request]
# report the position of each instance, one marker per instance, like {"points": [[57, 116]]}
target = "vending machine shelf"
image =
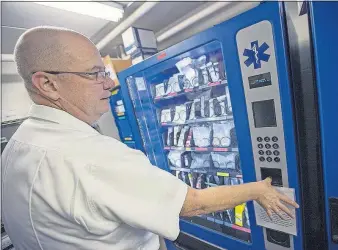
{"points": [[211, 171]]}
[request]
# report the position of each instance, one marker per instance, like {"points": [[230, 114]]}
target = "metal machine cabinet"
{"points": [[224, 107]]}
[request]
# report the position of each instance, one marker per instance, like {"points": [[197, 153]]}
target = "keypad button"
{"points": [[267, 139], [275, 146], [261, 152], [260, 145], [269, 159], [259, 139], [268, 152], [261, 158], [275, 139], [276, 152], [267, 146], [277, 159]]}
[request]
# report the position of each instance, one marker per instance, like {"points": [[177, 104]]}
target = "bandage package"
{"points": [[202, 135], [226, 160], [222, 133], [200, 160]]}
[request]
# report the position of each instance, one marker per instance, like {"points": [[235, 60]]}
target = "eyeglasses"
{"points": [[92, 75]]}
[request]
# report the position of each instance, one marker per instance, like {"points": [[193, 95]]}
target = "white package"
{"points": [[222, 134], [213, 71], [200, 160], [185, 66], [224, 160], [201, 136], [180, 114], [176, 84], [165, 115], [159, 90], [180, 142], [175, 158], [170, 85]]}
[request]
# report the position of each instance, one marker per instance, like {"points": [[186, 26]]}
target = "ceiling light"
{"points": [[89, 8]]}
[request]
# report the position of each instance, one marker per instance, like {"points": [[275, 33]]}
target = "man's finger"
{"points": [[268, 211], [278, 212], [288, 200], [285, 209]]}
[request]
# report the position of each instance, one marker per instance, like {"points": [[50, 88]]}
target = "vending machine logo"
{"points": [[256, 54]]}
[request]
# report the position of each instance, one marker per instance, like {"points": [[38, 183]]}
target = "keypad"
{"points": [[265, 154], [267, 139], [276, 152]]}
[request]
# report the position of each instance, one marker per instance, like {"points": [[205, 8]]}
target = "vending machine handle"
{"points": [[333, 203]]}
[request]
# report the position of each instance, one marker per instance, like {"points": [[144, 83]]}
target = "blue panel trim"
{"points": [[324, 21]]}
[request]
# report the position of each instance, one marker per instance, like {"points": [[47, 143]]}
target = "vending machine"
{"points": [[220, 108]]}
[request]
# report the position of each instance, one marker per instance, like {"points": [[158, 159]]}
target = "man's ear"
{"points": [[46, 85]]}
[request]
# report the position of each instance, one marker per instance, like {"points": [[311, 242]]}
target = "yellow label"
{"points": [[127, 138], [188, 149], [223, 174], [189, 175], [239, 214], [120, 114]]}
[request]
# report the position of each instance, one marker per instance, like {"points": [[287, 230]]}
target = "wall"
{"points": [[16, 101]]}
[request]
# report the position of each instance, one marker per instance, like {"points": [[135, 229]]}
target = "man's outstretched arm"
{"points": [[215, 199]]}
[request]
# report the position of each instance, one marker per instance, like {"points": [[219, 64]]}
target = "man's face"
{"points": [[83, 93]]}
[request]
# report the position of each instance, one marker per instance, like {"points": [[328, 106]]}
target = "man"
{"points": [[65, 186]]}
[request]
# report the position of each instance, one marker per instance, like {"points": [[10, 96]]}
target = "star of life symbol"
{"points": [[256, 54]]}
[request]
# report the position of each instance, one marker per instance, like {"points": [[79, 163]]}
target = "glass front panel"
{"points": [[192, 107]]}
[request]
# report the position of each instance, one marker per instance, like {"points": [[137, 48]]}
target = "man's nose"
{"points": [[109, 83]]}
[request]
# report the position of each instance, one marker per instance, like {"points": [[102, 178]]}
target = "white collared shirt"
{"points": [[65, 186]]}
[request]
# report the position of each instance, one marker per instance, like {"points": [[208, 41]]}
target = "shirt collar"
{"points": [[59, 116]]}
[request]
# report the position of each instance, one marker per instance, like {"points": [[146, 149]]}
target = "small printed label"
{"points": [[241, 228], [221, 149], [223, 174], [161, 56], [120, 114], [188, 149], [201, 149], [128, 138], [140, 85], [214, 83]]}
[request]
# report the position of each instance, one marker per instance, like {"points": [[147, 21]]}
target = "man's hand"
{"points": [[271, 200]]}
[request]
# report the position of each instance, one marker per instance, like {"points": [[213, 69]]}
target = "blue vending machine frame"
{"points": [[226, 33], [324, 19]]}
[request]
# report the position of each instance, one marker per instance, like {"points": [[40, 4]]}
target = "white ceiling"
{"points": [[16, 17]]}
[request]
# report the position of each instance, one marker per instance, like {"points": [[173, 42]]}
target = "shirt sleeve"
{"points": [[125, 187]]}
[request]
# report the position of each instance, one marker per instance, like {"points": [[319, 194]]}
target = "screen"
{"points": [[264, 113], [261, 80]]}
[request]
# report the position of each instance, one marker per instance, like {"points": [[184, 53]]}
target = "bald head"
{"points": [[51, 49]]}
